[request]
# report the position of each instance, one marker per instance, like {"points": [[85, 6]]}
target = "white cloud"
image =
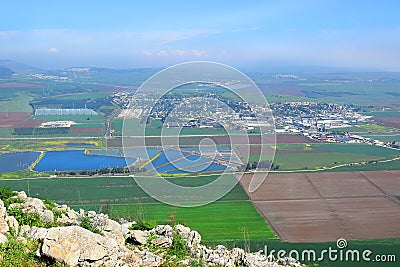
{"points": [[180, 52], [162, 53], [147, 53], [198, 53], [53, 50]]}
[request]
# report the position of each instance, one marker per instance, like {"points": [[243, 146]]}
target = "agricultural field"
{"points": [[49, 144], [321, 207], [86, 125], [388, 165], [363, 128], [218, 221], [387, 118], [133, 127], [5, 132], [16, 104], [121, 196], [318, 156], [384, 137], [353, 92], [8, 119]]}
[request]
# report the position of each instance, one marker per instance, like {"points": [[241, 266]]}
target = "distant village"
{"points": [[315, 120]]}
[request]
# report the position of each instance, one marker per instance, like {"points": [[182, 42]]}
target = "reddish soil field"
{"points": [[292, 139], [8, 119], [85, 130], [30, 123], [21, 85], [320, 207], [387, 181], [246, 150], [389, 121]]}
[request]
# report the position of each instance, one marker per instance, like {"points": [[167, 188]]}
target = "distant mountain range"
{"points": [[17, 67]]}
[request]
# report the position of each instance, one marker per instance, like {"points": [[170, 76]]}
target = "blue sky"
{"points": [[349, 34]]}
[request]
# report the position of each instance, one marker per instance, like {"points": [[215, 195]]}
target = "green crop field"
{"points": [[16, 104], [326, 155], [218, 221], [391, 165], [317, 160], [80, 96], [226, 219], [384, 137], [349, 93], [5, 132], [76, 118], [46, 144], [88, 125], [317, 156], [102, 190], [133, 127], [292, 147], [350, 129], [362, 149]]}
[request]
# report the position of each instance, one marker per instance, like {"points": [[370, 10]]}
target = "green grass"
{"points": [[88, 125], [363, 149], [384, 137], [292, 147], [47, 144], [219, 221], [373, 127], [102, 190], [83, 96], [391, 165], [16, 104], [334, 154], [5, 132], [317, 160], [133, 127], [350, 129], [225, 219]]}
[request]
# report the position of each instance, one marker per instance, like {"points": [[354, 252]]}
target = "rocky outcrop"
{"points": [[116, 244], [35, 205]]}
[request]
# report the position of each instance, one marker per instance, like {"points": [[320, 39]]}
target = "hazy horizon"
{"points": [[356, 35]]}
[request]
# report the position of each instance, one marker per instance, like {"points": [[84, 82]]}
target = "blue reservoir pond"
{"points": [[172, 161], [79, 145], [69, 160], [169, 161], [17, 161]]}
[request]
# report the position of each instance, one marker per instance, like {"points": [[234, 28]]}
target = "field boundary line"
{"points": [[393, 198], [268, 220]]}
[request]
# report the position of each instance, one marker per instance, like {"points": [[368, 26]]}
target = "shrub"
{"points": [[6, 193], [179, 248], [144, 225], [25, 218], [10, 201], [18, 254], [50, 205], [85, 223]]}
